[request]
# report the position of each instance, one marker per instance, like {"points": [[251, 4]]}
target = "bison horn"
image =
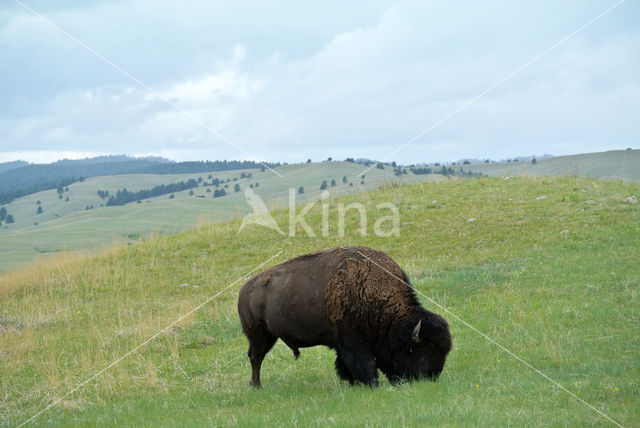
{"points": [[415, 336]]}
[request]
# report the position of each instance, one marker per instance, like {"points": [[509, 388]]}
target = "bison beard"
{"points": [[355, 300]]}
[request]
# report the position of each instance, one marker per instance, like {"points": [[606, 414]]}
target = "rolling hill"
{"points": [[612, 165], [149, 335], [83, 222], [69, 225]]}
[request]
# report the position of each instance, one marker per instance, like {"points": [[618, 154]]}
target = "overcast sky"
{"points": [[287, 81]]}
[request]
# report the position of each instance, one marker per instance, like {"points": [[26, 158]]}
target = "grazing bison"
{"points": [[355, 300]]}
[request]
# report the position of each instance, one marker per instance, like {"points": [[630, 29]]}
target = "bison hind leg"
{"points": [[259, 345], [296, 353]]}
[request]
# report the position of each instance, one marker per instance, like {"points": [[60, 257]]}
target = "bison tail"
{"points": [[296, 353]]}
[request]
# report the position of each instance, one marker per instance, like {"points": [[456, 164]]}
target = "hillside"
{"points": [[553, 280], [67, 224], [32, 178], [615, 164], [6, 166]]}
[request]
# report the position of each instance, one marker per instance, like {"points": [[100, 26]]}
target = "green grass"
{"points": [[68, 226], [554, 280]]}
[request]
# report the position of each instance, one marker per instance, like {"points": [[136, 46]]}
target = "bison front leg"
{"points": [[360, 365], [259, 345], [343, 371]]}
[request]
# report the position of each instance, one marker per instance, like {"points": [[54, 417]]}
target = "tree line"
{"points": [[444, 170], [124, 196], [8, 196], [5, 216], [192, 167]]}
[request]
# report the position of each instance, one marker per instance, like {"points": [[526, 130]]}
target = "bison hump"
{"points": [[362, 288]]}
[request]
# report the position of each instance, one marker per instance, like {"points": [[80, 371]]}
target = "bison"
{"points": [[354, 300]]}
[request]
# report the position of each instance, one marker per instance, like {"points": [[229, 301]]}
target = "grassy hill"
{"points": [[67, 225], [615, 164], [554, 280]]}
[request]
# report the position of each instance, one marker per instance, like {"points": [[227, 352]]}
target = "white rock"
{"points": [[631, 200], [539, 198]]}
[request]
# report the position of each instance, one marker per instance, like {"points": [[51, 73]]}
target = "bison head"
{"points": [[423, 343]]}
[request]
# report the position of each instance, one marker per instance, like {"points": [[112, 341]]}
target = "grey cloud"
{"points": [[334, 81]]}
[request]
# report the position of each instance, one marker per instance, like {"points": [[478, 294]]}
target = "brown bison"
{"points": [[355, 300]]}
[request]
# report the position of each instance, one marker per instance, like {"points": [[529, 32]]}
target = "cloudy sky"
{"points": [[287, 81]]}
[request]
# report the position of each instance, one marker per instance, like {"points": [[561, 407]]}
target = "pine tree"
{"points": [[39, 211], [301, 190]]}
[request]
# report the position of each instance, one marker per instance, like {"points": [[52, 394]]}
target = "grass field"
{"points": [[554, 280], [67, 225]]}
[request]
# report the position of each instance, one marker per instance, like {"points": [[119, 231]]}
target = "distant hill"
{"points": [[6, 166], [112, 159], [82, 217], [615, 164], [194, 167], [32, 178]]}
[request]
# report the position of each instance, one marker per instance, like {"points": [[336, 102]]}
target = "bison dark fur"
{"points": [[355, 300]]}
